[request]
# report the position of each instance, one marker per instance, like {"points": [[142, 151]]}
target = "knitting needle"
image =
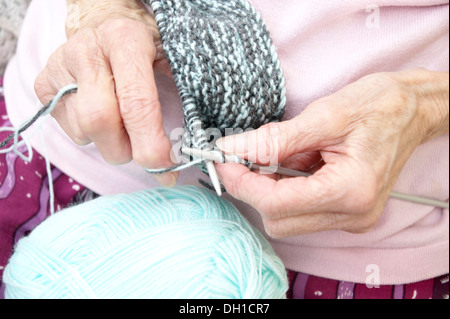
{"points": [[420, 200], [218, 157], [210, 167], [214, 177]]}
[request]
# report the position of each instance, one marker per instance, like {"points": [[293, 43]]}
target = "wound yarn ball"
{"points": [[163, 243]]}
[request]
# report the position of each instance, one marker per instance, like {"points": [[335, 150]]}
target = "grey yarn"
{"points": [[224, 64]]}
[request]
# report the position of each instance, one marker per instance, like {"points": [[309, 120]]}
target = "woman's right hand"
{"points": [[112, 51]]}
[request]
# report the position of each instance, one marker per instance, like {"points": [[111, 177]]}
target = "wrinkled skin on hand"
{"points": [[112, 53], [355, 141]]}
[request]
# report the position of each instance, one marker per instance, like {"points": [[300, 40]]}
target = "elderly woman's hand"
{"points": [[356, 143], [112, 51]]}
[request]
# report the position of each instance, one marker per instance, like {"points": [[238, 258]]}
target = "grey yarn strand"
{"points": [[224, 64]]}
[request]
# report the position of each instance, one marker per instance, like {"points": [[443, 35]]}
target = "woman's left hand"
{"points": [[356, 143]]}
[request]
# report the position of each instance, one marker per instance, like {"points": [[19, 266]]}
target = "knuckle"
{"points": [[84, 52], [155, 155], [120, 26], [134, 107], [75, 134], [80, 44], [94, 121], [149, 159], [130, 31], [273, 135], [365, 223]]}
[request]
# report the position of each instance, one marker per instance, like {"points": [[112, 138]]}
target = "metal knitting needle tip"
{"points": [[209, 165], [214, 177]]}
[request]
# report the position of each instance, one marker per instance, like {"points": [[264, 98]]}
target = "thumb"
{"points": [[271, 143]]}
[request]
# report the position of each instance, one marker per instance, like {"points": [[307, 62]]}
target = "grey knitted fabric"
{"points": [[224, 64]]}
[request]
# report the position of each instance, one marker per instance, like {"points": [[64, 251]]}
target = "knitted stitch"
{"points": [[224, 64]]}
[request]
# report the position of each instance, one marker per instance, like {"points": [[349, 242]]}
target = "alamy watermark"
{"points": [[373, 18], [373, 277], [257, 145]]}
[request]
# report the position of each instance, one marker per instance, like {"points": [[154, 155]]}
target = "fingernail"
{"points": [[167, 180], [235, 144], [220, 144]]}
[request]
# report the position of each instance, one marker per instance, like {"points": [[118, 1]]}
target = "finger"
{"points": [[99, 118], [331, 189], [314, 129], [236, 178], [295, 219], [94, 111], [66, 116], [321, 221], [306, 224], [273, 199], [138, 98]]}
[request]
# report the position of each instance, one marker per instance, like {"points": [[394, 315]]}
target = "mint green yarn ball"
{"points": [[164, 243]]}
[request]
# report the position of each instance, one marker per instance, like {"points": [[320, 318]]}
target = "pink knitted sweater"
{"points": [[322, 45]]}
